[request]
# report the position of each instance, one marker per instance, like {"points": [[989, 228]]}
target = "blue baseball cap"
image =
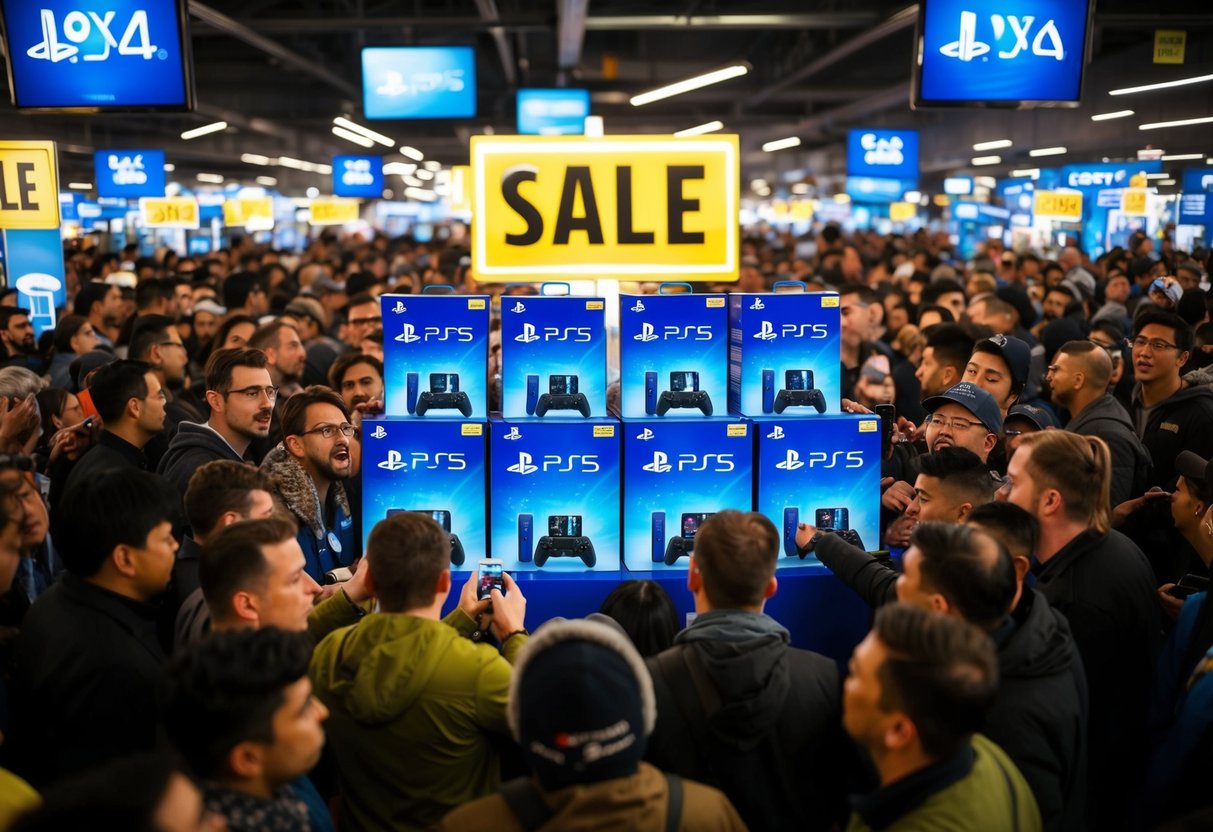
{"points": [[973, 399], [1038, 416]]}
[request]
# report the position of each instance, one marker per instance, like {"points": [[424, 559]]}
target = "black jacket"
{"points": [[871, 578], [85, 671], [1132, 470], [1103, 585], [772, 740], [111, 452], [1040, 715], [192, 447]]}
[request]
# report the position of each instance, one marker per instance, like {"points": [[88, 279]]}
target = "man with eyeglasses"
{"points": [[362, 317], [308, 468], [156, 341], [241, 398], [963, 416]]}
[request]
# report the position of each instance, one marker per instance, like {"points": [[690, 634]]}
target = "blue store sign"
{"points": [[360, 176], [888, 154], [129, 173]]}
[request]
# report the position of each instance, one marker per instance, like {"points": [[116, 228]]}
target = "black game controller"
{"points": [[684, 392], [798, 391], [444, 394], [565, 540], [562, 395], [849, 535], [684, 544]]}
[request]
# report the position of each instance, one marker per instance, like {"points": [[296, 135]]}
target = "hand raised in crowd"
{"points": [[19, 421], [1169, 603], [355, 588], [897, 535], [74, 440], [849, 406], [473, 606], [1121, 512], [897, 494], [804, 534]]}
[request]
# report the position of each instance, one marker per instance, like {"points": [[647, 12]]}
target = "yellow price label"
{"points": [[334, 211], [29, 189], [255, 213], [902, 211], [476, 429], [1062, 205], [715, 303], [869, 426], [169, 212], [829, 301], [1169, 46], [737, 430], [1133, 202], [604, 431], [476, 303]]}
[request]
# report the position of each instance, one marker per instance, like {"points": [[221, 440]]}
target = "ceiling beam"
{"points": [[488, 13], [570, 33]]}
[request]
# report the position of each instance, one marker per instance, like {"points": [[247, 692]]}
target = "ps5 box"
{"points": [[824, 472], [553, 357], [676, 474], [784, 354], [555, 495], [435, 356], [673, 356], [436, 467]]}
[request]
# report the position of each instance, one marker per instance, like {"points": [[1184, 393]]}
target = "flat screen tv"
{"points": [[552, 112], [403, 82]]}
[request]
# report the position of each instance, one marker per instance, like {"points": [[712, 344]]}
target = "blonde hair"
{"points": [[1078, 467]]}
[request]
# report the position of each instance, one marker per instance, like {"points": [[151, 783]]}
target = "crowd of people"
{"points": [[192, 636]]}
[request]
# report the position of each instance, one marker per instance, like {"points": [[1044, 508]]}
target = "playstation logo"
{"points": [[518, 307], [379, 432], [758, 304], [766, 332], [660, 464], [639, 307], [967, 46], [394, 462], [791, 462], [645, 435], [646, 334], [513, 434], [399, 308], [528, 335], [409, 336], [777, 433], [524, 465]]}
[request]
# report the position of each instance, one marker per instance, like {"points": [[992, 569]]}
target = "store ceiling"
{"points": [[278, 71]]}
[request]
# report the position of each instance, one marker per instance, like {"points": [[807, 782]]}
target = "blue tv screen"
{"points": [[1009, 53], [129, 173], [887, 154], [89, 56], [556, 112], [401, 82], [358, 176]]}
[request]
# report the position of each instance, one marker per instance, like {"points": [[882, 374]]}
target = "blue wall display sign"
{"points": [[1098, 176], [34, 260], [876, 189], [419, 82], [891, 154], [1009, 53], [360, 176], [559, 112], [86, 56], [129, 173], [1195, 206], [1198, 181]]}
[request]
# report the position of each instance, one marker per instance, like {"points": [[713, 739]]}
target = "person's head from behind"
{"points": [[733, 566], [252, 575], [224, 492], [409, 556], [146, 793], [1061, 478], [1014, 528], [244, 291], [958, 570], [604, 690], [116, 530], [1080, 369], [918, 687], [129, 400], [239, 391], [317, 433], [646, 613], [1162, 343], [238, 707], [950, 482]]}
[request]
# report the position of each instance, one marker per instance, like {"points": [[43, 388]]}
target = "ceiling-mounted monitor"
{"points": [[1000, 53], [553, 112], [404, 82], [73, 56]]}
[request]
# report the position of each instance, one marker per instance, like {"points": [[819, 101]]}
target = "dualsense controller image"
{"points": [[684, 392]]}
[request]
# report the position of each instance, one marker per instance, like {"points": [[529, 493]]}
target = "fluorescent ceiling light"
{"points": [[412, 180], [1157, 175], [1179, 157], [394, 168], [980, 161], [1028, 173], [710, 127], [366, 132], [1182, 82], [351, 136], [912, 196], [324, 169], [213, 178], [313, 192], [420, 194], [204, 130], [1158, 125], [1165, 182], [1047, 151], [169, 168], [698, 82], [432, 165], [412, 152], [782, 144], [994, 145], [268, 181], [758, 184], [424, 175], [255, 159], [1108, 116], [80, 186], [800, 188]]}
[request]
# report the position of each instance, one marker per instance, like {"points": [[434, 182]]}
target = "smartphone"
{"points": [[798, 379], [888, 418], [87, 425], [683, 381], [488, 575], [838, 519], [444, 382], [564, 525], [1188, 585], [559, 385]]}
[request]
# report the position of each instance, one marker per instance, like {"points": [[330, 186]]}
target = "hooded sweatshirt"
{"points": [[193, 446], [1131, 464], [414, 711], [773, 743]]}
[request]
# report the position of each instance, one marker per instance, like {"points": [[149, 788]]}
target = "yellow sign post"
{"points": [[1133, 202], [1058, 205], [621, 207], [333, 211], [253, 213], [169, 212], [29, 187], [1169, 46]]}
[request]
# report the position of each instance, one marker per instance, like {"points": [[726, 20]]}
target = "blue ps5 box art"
{"points": [[784, 354], [433, 467], [824, 472], [435, 356], [676, 474], [673, 356], [553, 357], [555, 486]]}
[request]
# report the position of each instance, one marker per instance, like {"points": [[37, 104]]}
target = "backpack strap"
{"points": [[673, 811], [526, 803]]}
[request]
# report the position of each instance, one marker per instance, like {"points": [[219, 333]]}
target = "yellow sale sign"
{"points": [[1060, 205], [1133, 202], [254, 213], [169, 212], [29, 192], [613, 207], [334, 211]]}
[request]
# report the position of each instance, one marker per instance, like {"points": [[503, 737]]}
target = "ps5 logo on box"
{"points": [[791, 462], [767, 331], [420, 460], [776, 433], [967, 47], [79, 27], [379, 432], [821, 459], [576, 334], [645, 435], [673, 333], [716, 463], [399, 308], [435, 333], [579, 463]]}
